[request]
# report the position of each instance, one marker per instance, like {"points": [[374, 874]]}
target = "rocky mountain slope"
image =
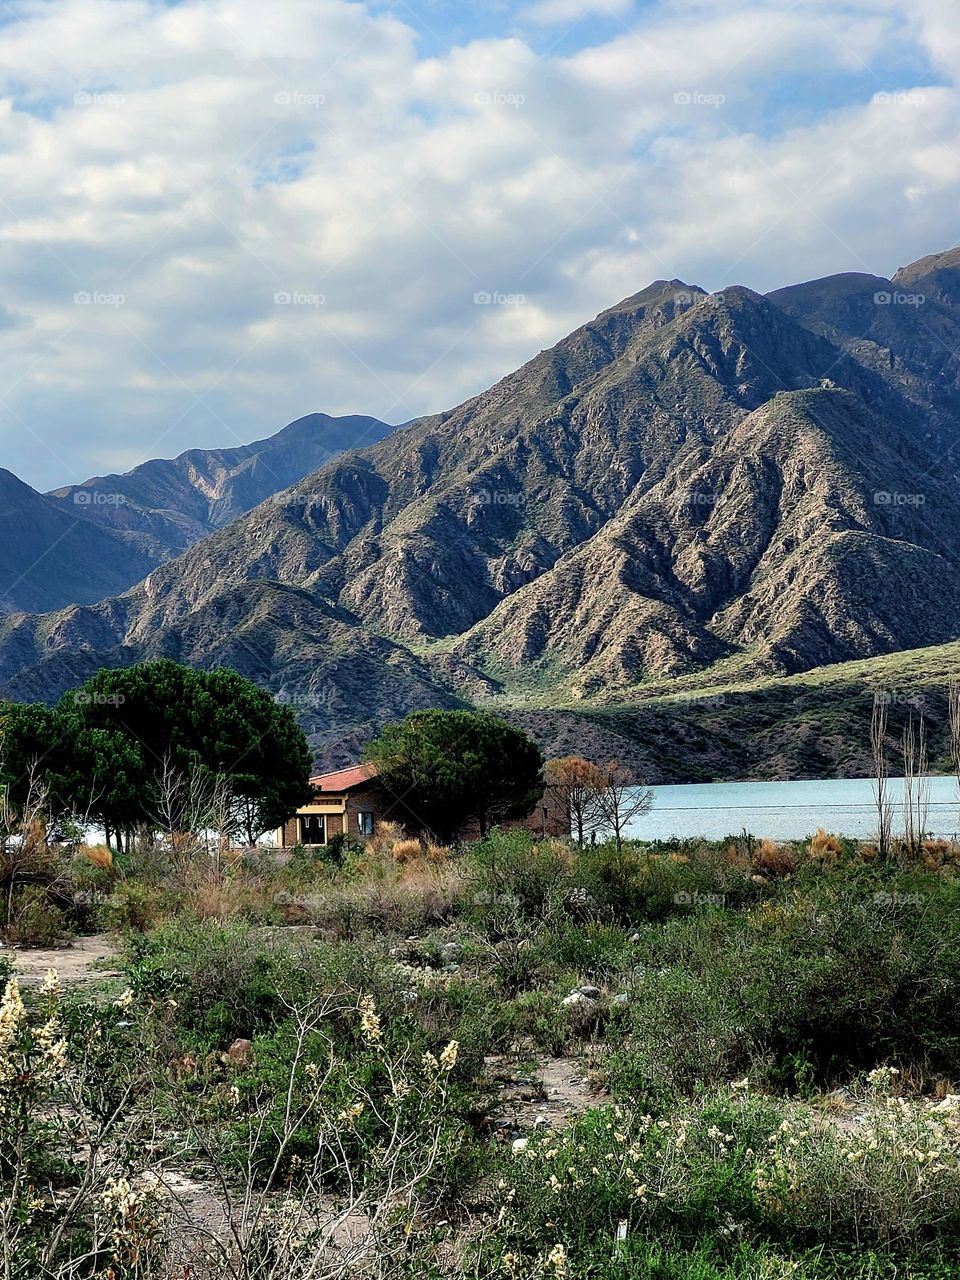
{"points": [[689, 483], [81, 543], [49, 557]]}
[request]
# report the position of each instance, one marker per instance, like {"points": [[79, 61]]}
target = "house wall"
{"points": [[550, 817]]}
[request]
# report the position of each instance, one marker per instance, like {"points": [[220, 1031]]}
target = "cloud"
{"points": [[555, 11], [220, 215]]}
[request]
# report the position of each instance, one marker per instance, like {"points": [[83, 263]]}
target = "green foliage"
{"points": [[33, 920], [444, 768], [109, 748], [514, 872]]}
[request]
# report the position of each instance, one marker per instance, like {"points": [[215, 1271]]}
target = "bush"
{"points": [[513, 873], [33, 920]]}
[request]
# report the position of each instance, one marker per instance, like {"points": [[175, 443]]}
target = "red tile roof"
{"points": [[345, 779]]}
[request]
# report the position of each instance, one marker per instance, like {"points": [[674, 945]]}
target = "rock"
{"points": [[577, 1000], [240, 1052], [519, 1145], [634, 937], [620, 1000], [592, 993], [541, 1122]]}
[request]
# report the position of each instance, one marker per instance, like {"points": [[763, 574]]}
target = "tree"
{"points": [[113, 748], [578, 782], [620, 800], [444, 768], [881, 772], [916, 785]]}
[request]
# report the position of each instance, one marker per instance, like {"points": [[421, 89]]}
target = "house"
{"points": [[352, 802]]}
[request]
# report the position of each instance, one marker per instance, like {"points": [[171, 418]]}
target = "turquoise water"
{"points": [[787, 810]]}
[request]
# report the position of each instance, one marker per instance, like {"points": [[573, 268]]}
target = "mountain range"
{"points": [[690, 488], [80, 543]]}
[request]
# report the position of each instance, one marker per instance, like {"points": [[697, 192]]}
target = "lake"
{"points": [[787, 810]]}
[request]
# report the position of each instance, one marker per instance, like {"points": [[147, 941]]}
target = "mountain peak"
{"points": [[658, 293], [936, 276]]}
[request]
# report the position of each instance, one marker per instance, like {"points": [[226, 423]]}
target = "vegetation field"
{"points": [[516, 1059], [727, 725]]}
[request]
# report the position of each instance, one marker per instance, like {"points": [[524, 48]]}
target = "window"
{"points": [[313, 829], [365, 822]]}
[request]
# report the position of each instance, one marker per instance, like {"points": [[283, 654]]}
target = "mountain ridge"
{"points": [[689, 482]]}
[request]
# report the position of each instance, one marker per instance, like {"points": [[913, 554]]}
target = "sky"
{"points": [[219, 215]]}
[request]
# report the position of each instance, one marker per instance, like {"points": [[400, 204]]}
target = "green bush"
{"points": [[33, 920]]}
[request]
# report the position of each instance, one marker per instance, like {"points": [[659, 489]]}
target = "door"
{"points": [[313, 829]]}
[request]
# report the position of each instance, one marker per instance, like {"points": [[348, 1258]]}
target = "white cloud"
{"points": [[198, 160], [555, 11]]}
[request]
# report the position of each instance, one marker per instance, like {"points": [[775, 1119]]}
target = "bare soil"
{"points": [[80, 961]]}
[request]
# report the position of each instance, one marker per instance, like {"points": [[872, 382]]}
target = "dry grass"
{"points": [[404, 851], [97, 855], [771, 859], [825, 847]]}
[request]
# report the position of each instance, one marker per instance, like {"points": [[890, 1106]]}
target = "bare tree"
{"points": [[620, 801], [578, 782], [953, 702], [881, 772], [916, 784]]}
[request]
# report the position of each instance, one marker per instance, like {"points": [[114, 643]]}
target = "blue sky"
{"points": [[218, 215]]}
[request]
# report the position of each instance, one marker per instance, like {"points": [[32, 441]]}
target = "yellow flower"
{"points": [[124, 1001], [12, 1012], [370, 1027], [557, 1259], [51, 983], [448, 1058]]}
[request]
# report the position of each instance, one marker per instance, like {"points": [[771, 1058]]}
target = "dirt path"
{"points": [[83, 960], [555, 1092]]}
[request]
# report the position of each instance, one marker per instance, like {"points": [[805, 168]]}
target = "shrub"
{"points": [[137, 906], [33, 920], [513, 870]]}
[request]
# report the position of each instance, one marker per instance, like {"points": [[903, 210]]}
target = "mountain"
{"points": [[50, 558], [689, 486], [81, 543], [177, 502]]}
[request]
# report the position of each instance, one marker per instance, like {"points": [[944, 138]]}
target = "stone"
{"points": [[240, 1052]]}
